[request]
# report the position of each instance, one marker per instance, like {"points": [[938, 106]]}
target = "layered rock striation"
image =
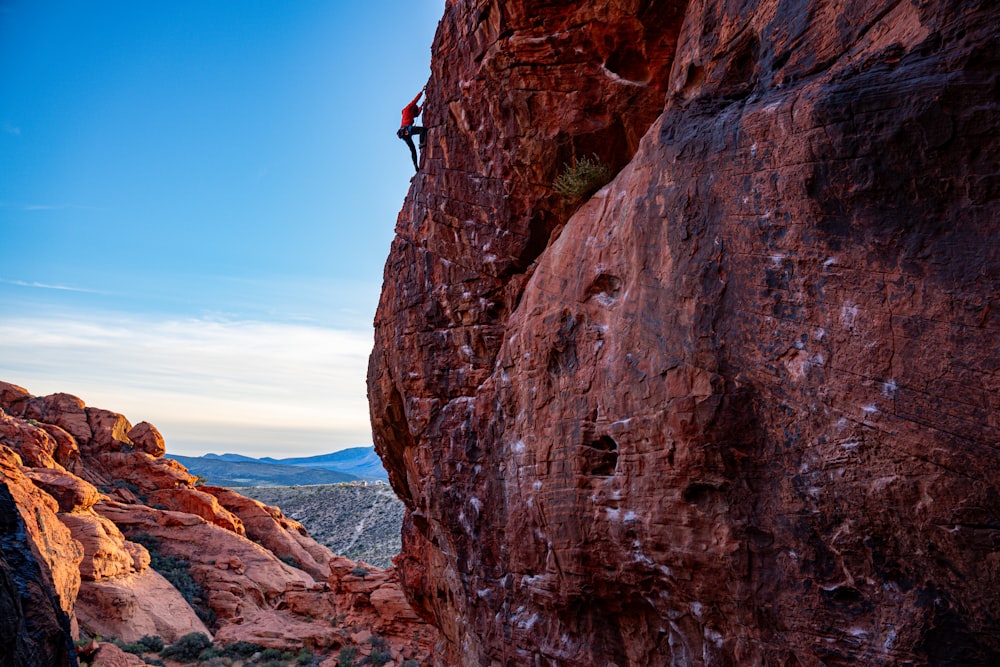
{"points": [[739, 407], [103, 536]]}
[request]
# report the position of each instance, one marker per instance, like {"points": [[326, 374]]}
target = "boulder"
{"points": [[71, 492], [147, 438], [104, 552], [35, 446], [109, 655], [134, 605], [146, 472], [109, 431], [200, 503], [67, 452], [67, 566], [269, 527], [63, 410], [14, 399]]}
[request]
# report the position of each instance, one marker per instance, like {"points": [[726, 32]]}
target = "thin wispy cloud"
{"points": [[253, 387], [11, 129], [65, 288]]}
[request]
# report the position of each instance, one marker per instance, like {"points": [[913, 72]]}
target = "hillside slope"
{"points": [[362, 523], [238, 473], [360, 461]]}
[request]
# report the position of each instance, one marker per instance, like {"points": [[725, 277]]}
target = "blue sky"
{"points": [[196, 203]]}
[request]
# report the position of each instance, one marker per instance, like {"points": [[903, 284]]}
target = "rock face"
{"points": [[741, 406], [92, 514], [36, 628]]}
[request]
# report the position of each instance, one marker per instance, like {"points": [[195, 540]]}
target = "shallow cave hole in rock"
{"points": [[605, 289], [628, 63], [702, 495], [600, 457]]}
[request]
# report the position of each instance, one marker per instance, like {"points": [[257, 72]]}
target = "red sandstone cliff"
{"points": [[742, 406], [85, 497]]}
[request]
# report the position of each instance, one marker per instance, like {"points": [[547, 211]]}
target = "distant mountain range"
{"points": [[347, 465]]}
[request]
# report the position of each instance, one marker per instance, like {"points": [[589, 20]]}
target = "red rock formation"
{"points": [[269, 527], [109, 655], [240, 577], [56, 549], [372, 598], [80, 502], [197, 502], [35, 629], [740, 407], [131, 606], [147, 438]]}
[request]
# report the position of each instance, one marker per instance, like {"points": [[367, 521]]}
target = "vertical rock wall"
{"points": [[35, 628], [742, 406]]}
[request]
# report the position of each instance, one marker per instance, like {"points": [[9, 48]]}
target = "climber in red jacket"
{"points": [[407, 129]]}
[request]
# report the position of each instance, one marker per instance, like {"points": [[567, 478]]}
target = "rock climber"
{"points": [[407, 129]]}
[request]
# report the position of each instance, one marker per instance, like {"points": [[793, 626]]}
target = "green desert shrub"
{"points": [[242, 649], [380, 652], [346, 656], [177, 572], [210, 653], [188, 647], [377, 658], [271, 654], [582, 177], [135, 648], [151, 643], [217, 661]]}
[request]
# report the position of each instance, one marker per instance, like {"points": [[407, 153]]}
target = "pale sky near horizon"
{"points": [[196, 204]]}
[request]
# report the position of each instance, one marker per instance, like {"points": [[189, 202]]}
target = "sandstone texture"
{"points": [[102, 536], [132, 606], [742, 406], [36, 627], [268, 526]]}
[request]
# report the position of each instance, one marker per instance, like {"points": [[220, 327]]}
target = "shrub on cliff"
{"points": [[176, 571], [346, 656], [151, 643], [582, 177], [241, 649], [188, 647]]}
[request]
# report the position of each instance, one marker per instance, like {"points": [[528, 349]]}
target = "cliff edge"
{"points": [[741, 406]]}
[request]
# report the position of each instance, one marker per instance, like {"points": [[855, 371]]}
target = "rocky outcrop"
{"points": [[109, 655], [36, 628], [268, 526], [105, 534], [133, 605], [239, 577], [52, 543], [740, 407]]}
